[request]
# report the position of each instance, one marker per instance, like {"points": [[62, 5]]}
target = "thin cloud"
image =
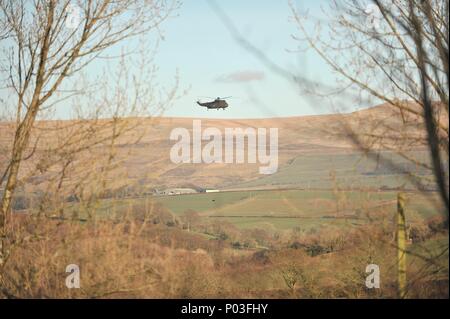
{"points": [[241, 76]]}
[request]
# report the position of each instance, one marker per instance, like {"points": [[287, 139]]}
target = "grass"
{"points": [[351, 170], [283, 209]]}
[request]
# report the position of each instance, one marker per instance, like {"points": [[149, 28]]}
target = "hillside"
{"points": [[311, 149]]}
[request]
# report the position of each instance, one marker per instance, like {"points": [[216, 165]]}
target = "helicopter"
{"points": [[218, 103]]}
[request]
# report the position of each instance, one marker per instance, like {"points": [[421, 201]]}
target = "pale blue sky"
{"points": [[202, 48], [211, 63]]}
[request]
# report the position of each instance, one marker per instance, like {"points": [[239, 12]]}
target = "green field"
{"points": [[284, 209], [281, 209]]}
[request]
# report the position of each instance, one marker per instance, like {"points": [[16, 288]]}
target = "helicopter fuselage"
{"points": [[216, 104]]}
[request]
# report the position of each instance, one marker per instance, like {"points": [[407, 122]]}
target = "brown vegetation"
{"points": [[127, 258]]}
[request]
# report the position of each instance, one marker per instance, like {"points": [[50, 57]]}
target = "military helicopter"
{"points": [[218, 103]]}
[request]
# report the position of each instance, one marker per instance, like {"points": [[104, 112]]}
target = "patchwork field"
{"points": [[285, 209]]}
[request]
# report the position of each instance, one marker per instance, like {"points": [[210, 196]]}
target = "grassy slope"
{"points": [[352, 169]]}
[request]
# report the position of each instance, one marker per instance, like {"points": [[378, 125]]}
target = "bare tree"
{"points": [[397, 53], [394, 52], [47, 42]]}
